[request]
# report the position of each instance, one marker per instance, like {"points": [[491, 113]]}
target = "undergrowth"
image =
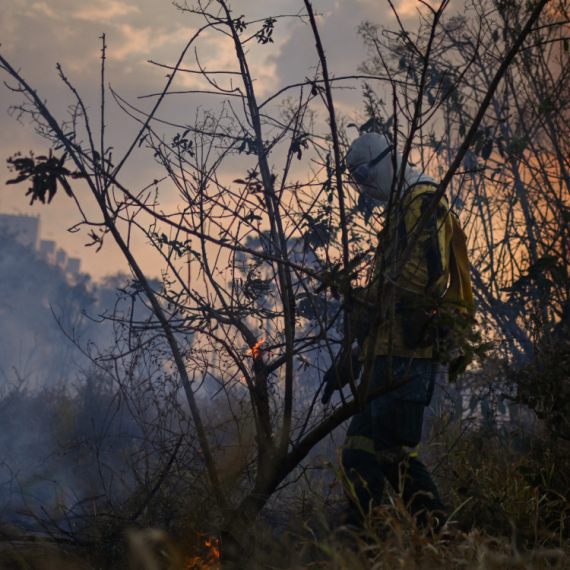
{"points": [[508, 496]]}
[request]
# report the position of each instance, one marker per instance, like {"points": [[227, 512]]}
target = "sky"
{"points": [[36, 35]]}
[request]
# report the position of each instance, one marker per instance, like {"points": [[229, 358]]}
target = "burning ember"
{"points": [[257, 351], [210, 559]]}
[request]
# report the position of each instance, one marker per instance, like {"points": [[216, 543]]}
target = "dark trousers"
{"points": [[381, 441]]}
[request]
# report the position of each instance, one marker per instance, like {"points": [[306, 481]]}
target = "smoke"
{"points": [[89, 429], [38, 301]]}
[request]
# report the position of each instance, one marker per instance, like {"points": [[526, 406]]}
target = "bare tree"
{"points": [[513, 194], [257, 272]]}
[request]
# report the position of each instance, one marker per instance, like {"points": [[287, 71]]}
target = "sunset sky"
{"points": [[34, 36]]}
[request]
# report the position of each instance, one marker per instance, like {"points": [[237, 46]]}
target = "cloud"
{"points": [[297, 57], [134, 41], [43, 9], [411, 8], [217, 53], [38, 33], [105, 11], [138, 42]]}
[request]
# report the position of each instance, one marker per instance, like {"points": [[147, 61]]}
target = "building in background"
{"points": [[46, 250], [26, 230]]}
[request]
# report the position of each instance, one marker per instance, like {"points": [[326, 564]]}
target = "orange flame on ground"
{"points": [[256, 351], [211, 559]]}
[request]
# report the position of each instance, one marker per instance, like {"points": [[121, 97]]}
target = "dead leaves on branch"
{"points": [[45, 172]]}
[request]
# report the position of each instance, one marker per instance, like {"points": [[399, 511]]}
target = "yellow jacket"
{"points": [[434, 281]]}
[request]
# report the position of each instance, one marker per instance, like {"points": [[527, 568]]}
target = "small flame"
{"points": [[257, 351], [211, 558]]}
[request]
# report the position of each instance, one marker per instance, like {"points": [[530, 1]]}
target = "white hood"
{"points": [[375, 155]]}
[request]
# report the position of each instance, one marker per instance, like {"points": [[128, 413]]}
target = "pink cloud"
{"points": [[105, 11]]}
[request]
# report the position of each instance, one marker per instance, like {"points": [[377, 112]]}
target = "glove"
{"points": [[340, 367]]}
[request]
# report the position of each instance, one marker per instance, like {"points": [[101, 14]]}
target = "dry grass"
{"points": [[512, 512]]}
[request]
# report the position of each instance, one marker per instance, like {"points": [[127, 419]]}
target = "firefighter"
{"points": [[382, 440]]}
